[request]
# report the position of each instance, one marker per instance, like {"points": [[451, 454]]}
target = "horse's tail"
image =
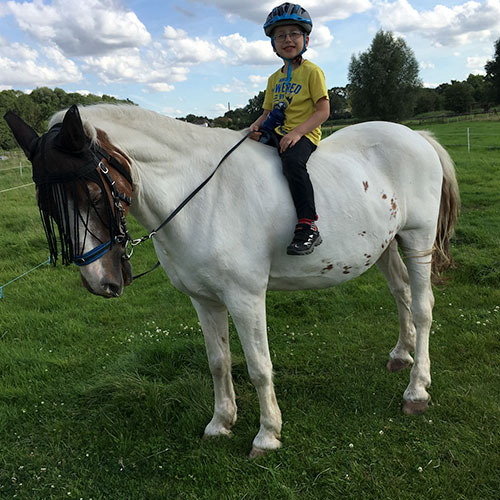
{"points": [[448, 210]]}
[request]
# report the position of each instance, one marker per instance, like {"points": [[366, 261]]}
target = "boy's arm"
{"points": [[315, 120]]}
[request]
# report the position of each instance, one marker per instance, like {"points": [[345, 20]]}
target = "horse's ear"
{"points": [[72, 136], [23, 133]]}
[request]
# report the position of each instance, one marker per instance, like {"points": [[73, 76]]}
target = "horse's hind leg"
{"points": [[418, 262], [214, 323], [396, 274]]}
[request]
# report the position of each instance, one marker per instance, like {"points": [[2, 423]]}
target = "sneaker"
{"points": [[304, 240]]}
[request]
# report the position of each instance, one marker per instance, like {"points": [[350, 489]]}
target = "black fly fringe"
{"points": [[55, 201]]}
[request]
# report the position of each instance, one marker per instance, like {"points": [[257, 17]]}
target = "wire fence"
{"points": [[7, 158], [2, 295]]}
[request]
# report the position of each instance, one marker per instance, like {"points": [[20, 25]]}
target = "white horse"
{"points": [[378, 186]]}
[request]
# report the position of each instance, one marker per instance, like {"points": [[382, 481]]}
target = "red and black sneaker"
{"points": [[305, 239]]}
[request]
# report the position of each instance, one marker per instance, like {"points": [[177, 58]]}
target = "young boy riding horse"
{"points": [[295, 105]]}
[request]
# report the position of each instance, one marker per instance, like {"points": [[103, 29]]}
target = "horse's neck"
{"points": [[167, 167]]}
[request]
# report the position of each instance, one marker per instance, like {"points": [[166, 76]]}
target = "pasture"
{"points": [[108, 399]]}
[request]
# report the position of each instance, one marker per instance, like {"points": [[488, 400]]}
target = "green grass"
{"points": [[108, 399]]}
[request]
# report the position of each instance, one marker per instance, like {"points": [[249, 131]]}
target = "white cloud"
{"points": [[456, 25], [427, 65], [169, 111], [21, 66], [225, 89], [329, 10], [129, 66], [161, 87], [79, 28], [257, 81], [476, 64], [321, 37], [320, 10], [245, 52], [236, 85], [187, 50], [220, 108]]}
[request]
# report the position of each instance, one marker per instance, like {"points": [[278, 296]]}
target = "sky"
{"points": [[203, 57]]}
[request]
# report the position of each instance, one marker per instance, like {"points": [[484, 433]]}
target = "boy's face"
{"points": [[289, 40]]}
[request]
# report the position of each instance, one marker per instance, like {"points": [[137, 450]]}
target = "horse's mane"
{"points": [[127, 116]]}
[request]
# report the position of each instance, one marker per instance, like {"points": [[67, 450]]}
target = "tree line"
{"points": [[38, 106], [383, 84]]}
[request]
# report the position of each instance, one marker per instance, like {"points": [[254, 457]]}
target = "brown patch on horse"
{"points": [[121, 183]]}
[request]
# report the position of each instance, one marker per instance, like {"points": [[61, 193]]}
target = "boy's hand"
{"points": [[256, 134], [289, 140]]}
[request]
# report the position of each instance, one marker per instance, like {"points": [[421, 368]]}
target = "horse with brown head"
{"points": [[84, 190]]}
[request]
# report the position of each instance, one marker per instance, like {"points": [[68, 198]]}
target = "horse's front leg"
{"points": [[214, 323], [249, 316]]}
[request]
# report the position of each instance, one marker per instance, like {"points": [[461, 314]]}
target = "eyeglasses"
{"points": [[294, 35]]}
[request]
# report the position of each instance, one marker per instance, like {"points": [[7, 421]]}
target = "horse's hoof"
{"points": [[396, 365], [415, 407], [226, 433], [257, 452]]}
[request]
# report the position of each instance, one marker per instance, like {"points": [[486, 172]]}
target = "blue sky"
{"points": [[198, 56]]}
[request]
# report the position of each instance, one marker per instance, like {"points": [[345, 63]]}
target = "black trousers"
{"points": [[294, 162]]}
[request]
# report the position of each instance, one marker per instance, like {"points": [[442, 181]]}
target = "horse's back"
{"points": [[371, 181]]}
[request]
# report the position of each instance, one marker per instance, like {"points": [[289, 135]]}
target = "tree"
{"points": [[492, 69], [480, 88], [458, 97], [35, 108], [427, 100], [339, 107], [254, 107], [384, 80]]}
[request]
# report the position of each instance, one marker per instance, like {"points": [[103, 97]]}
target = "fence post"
{"points": [[468, 139]]}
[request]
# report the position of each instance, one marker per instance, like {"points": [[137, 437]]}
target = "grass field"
{"points": [[108, 399]]}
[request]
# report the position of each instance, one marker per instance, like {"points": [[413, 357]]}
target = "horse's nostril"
{"points": [[111, 289]]}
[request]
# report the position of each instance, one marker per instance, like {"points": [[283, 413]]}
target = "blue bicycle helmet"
{"points": [[288, 13]]}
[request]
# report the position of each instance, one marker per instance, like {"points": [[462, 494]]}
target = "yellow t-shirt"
{"points": [[307, 87]]}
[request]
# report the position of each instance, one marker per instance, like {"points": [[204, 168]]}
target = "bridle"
{"points": [[117, 197]]}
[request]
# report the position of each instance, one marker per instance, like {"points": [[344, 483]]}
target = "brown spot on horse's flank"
{"points": [[365, 185], [223, 339], [384, 197], [393, 205], [329, 267], [363, 233], [346, 269]]}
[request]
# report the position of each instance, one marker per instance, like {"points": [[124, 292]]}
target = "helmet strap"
{"points": [[290, 61]]}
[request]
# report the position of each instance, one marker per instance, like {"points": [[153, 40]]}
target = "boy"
{"points": [[295, 105]]}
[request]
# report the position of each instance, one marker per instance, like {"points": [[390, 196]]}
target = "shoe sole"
{"points": [[291, 251]]}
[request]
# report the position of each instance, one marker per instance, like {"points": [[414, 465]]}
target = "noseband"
{"points": [[117, 199]]}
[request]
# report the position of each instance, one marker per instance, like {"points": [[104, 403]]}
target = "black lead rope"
{"points": [[146, 237]]}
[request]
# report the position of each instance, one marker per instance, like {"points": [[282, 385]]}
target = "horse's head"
{"points": [[83, 193]]}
